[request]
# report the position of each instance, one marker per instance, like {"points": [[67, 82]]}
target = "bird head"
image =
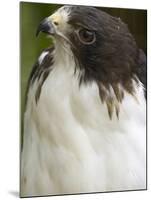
{"points": [[103, 47]]}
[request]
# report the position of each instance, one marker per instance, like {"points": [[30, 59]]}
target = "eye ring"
{"points": [[86, 36]]}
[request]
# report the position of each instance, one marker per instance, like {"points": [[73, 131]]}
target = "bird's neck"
{"points": [[62, 53]]}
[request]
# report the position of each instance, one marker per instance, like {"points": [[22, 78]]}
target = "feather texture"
{"points": [[85, 119], [71, 146]]}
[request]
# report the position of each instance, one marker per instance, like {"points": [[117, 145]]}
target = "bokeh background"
{"points": [[30, 47]]}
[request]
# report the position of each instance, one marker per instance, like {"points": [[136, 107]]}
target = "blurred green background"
{"points": [[30, 47]]}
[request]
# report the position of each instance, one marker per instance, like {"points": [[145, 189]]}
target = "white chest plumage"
{"points": [[71, 145]]}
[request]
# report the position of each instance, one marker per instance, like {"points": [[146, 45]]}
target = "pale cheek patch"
{"points": [[61, 17], [56, 18]]}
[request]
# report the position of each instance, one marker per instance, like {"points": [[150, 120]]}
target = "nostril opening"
{"points": [[56, 23]]}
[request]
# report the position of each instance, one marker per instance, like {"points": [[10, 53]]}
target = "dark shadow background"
{"points": [[30, 47]]}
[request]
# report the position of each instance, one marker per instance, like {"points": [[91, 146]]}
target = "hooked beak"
{"points": [[46, 26]]}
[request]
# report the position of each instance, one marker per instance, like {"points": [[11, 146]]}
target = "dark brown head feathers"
{"points": [[112, 61]]}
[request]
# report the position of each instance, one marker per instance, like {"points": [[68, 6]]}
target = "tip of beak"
{"points": [[46, 27]]}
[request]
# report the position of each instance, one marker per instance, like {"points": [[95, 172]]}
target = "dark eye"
{"points": [[86, 36]]}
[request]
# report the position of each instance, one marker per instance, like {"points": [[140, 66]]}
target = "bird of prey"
{"points": [[84, 124]]}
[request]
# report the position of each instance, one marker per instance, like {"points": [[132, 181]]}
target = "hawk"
{"points": [[84, 124]]}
